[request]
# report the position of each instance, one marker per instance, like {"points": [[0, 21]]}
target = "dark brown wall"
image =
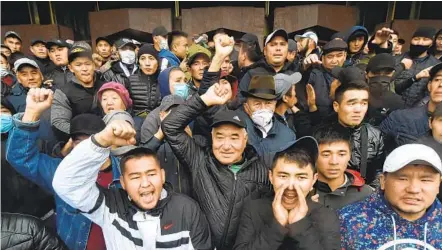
{"points": [[103, 23], [406, 28], [244, 19], [33, 31]]}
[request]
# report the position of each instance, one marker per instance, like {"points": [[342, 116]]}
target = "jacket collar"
{"points": [[352, 179]]}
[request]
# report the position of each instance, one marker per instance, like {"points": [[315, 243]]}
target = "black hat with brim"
{"points": [[57, 42], [306, 143], [262, 87], [79, 51], [433, 71], [86, 124], [35, 41], [102, 38], [383, 61], [227, 117]]}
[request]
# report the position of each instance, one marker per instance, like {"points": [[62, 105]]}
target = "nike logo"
{"points": [[167, 227]]}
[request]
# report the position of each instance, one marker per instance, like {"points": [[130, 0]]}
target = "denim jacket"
{"points": [[23, 154]]}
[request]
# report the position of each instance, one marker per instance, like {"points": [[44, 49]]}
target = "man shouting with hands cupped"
{"points": [[289, 219]]}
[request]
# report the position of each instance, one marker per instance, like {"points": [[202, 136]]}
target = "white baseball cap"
{"points": [[309, 34], [25, 61], [410, 154], [278, 32]]}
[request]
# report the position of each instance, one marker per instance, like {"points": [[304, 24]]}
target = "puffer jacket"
{"points": [[25, 232], [220, 192], [144, 91], [116, 74], [413, 91], [60, 75]]}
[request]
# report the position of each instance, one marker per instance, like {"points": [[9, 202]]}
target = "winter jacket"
{"points": [[144, 91], [353, 190], [373, 224], [375, 150], [18, 194], [163, 81], [71, 100], [382, 102], [301, 123], [219, 191], [17, 97], [406, 125], [243, 71], [175, 223], [412, 90], [118, 72], [23, 155], [353, 59], [25, 232], [168, 59], [46, 65], [259, 229], [177, 174], [60, 75], [321, 79]]}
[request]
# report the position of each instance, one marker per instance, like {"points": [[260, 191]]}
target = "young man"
{"points": [[405, 213], [176, 55], [337, 186], [249, 54], [103, 47], [288, 218], [356, 39], [406, 125], [145, 213], [74, 229], [40, 55], [199, 59], [58, 53], [412, 81], [76, 97], [437, 47], [228, 171], [367, 154], [292, 55], [121, 70], [13, 40]]}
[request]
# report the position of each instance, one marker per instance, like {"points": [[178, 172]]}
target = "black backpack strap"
{"points": [[364, 151]]}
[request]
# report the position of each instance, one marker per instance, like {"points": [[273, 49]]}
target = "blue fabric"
{"points": [[171, 57], [163, 80], [369, 224], [5, 123], [23, 155]]}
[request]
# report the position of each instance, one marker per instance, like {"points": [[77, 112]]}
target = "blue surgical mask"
{"points": [[181, 89], [5, 123]]}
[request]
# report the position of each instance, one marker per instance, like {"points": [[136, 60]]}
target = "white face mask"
{"points": [[127, 56], [163, 44], [262, 117]]}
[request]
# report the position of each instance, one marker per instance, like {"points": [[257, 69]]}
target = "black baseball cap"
{"points": [[335, 45], [383, 61], [348, 75], [12, 34], [401, 41], [170, 101], [278, 32], [102, 38], [38, 40], [160, 31], [230, 78], [78, 51], [57, 42], [123, 42], [436, 68], [227, 116], [293, 45], [438, 111], [306, 143], [86, 124], [250, 38]]}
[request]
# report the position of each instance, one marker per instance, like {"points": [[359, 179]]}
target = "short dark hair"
{"points": [[220, 31], [344, 87], [251, 51], [4, 57], [137, 153], [289, 94], [327, 134], [299, 156], [174, 34]]}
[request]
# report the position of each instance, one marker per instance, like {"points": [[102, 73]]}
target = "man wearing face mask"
{"points": [[159, 37], [382, 100], [121, 70], [412, 81]]}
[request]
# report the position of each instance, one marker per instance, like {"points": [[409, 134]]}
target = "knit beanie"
{"points": [[427, 32], [121, 91], [148, 49]]}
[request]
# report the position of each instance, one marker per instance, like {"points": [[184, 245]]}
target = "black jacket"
{"points": [[321, 80], [381, 103], [413, 91], [45, 65], [259, 229], [115, 74], [302, 123], [144, 91], [60, 75], [25, 232], [220, 192]]}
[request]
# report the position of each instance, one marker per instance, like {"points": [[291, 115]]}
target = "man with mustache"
{"points": [[76, 97], [287, 218], [404, 213], [337, 186]]}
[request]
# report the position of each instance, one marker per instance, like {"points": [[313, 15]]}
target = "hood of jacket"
{"points": [[163, 80], [353, 31], [171, 57]]}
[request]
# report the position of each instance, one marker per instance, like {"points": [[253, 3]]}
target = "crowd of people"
{"points": [[197, 142]]}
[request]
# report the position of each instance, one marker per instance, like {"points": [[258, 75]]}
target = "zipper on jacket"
{"points": [[229, 213]]}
